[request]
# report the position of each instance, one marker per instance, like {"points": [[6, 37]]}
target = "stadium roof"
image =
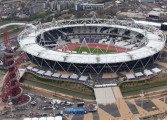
{"points": [[155, 44]]}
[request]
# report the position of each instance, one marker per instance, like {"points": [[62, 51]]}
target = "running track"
{"points": [[72, 47]]}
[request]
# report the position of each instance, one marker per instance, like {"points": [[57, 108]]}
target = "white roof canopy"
{"points": [[65, 76], [56, 75], [29, 67], [156, 70], [41, 72], [147, 72], [48, 73], [74, 76], [139, 74], [35, 70], [83, 78], [1, 63], [130, 76]]}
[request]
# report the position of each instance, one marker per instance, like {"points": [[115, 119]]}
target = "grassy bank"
{"points": [[65, 87], [142, 85]]}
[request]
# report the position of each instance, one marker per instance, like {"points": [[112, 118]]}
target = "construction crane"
{"points": [[11, 90]]}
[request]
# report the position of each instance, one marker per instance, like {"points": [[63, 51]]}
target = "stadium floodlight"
{"points": [[72, 20], [54, 22], [40, 26], [94, 19]]}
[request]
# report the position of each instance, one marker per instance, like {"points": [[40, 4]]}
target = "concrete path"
{"points": [[104, 95], [88, 116], [117, 92]]}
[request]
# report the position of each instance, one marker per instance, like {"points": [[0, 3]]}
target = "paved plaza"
{"points": [[104, 95]]}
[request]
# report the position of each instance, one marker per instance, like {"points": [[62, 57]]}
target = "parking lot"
{"points": [[41, 107]]}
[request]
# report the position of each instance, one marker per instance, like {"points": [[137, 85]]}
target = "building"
{"points": [[36, 8], [87, 6], [164, 26], [59, 5], [153, 15]]}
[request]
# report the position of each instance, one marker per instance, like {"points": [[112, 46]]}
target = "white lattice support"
{"points": [[61, 67], [127, 66], [84, 69], [47, 64], [102, 68], [54, 65], [41, 63], [119, 67], [135, 64], [158, 56], [147, 62], [77, 68], [93, 69], [36, 60], [110, 67], [68, 67]]}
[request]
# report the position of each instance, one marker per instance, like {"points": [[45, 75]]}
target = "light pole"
{"points": [[54, 114], [164, 99], [53, 102], [98, 101], [142, 95]]}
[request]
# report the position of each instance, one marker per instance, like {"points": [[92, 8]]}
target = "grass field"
{"points": [[93, 50]]}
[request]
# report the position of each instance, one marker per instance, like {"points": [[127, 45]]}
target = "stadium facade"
{"points": [[56, 45]]}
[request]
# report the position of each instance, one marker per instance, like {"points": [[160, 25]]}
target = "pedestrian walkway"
{"points": [[122, 106], [104, 95], [117, 92]]}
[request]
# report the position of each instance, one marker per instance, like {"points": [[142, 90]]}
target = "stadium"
{"points": [[92, 45]]}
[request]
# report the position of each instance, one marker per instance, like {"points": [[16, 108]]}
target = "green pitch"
{"points": [[93, 50]]}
